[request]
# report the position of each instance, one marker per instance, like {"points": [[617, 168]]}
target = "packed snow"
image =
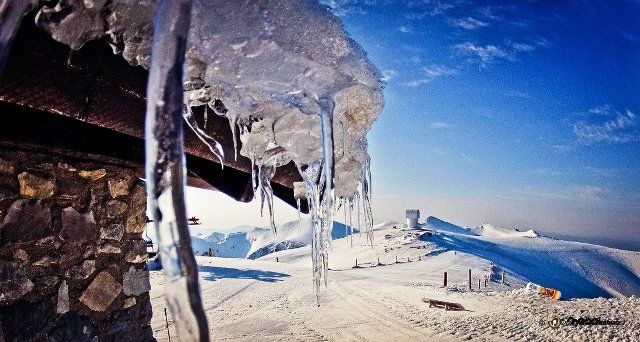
{"points": [[271, 298]]}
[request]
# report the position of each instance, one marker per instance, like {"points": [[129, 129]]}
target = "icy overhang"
{"points": [[262, 64]]}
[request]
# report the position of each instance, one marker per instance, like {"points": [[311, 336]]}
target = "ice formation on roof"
{"points": [[268, 62], [292, 83]]}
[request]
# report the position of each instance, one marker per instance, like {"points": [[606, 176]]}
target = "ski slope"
{"points": [[380, 299]]}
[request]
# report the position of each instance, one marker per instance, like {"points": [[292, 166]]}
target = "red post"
{"points": [[469, 279], [445, 279]]}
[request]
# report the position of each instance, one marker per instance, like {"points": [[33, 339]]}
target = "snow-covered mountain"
{"points": [[484, 229], [258, 242], [577, 269]]}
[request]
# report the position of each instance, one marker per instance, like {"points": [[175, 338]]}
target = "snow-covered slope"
{"points": [[484, 229], [272, 298], [488, 230], [443, 226], [577, 269]]}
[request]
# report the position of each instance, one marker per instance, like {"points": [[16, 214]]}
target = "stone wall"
{"points": [[72, 257]]}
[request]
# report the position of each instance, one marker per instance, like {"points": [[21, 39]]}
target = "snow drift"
{"points": [[579, 270]]}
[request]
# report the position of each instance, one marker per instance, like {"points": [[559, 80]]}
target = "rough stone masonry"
{"points": [[72, 257]]}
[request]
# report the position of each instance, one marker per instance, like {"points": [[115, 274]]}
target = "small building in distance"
{"points": [[413, 216]]}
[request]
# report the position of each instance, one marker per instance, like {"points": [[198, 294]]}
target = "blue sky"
{"points": [[520, 113]]}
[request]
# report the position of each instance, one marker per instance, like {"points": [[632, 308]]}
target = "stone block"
{"points": [[45, 261], [33, 186], [26, 220], [63, 298], [119, 186], [14, 282], [114, 231], [135, 251], [115, 208], [72, 190], [137, 220], [128, 302], [78, 228], [102, 291], [93, 175], [7, 168], [107, 248], [21, 255], [81, 271], [136, 282]]}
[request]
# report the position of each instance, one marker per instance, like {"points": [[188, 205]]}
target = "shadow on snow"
{"points": [[213, 273], [548, 268]]}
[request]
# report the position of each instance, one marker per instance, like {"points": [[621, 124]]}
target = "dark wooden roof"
{"points": [[91, 103]]}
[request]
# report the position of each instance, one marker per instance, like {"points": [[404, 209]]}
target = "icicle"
{"points": [[233, 122], [266, 170], [213, 145], [259, 188], [254, 180], [323, 223], [165, 168], [366, 200], [11, 14], [206, 116], [299, 192], [350, 207], [346, 229], [359, 225]]}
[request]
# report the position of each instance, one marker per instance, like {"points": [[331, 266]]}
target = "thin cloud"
{"points": [[470, 23], [522, 47], [430, 73], [602, 110], [427, 8], [405, 29], [483, 55], [439, 125], [604, 124]]}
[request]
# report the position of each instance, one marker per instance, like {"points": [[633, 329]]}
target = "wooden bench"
{"points": [[441, 304]]}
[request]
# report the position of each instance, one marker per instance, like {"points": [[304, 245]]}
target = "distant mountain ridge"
{"points": [[258, 242], [484, 229]]}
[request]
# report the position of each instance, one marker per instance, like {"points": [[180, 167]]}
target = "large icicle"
{"points": [[321, 200], [165, 166]]}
